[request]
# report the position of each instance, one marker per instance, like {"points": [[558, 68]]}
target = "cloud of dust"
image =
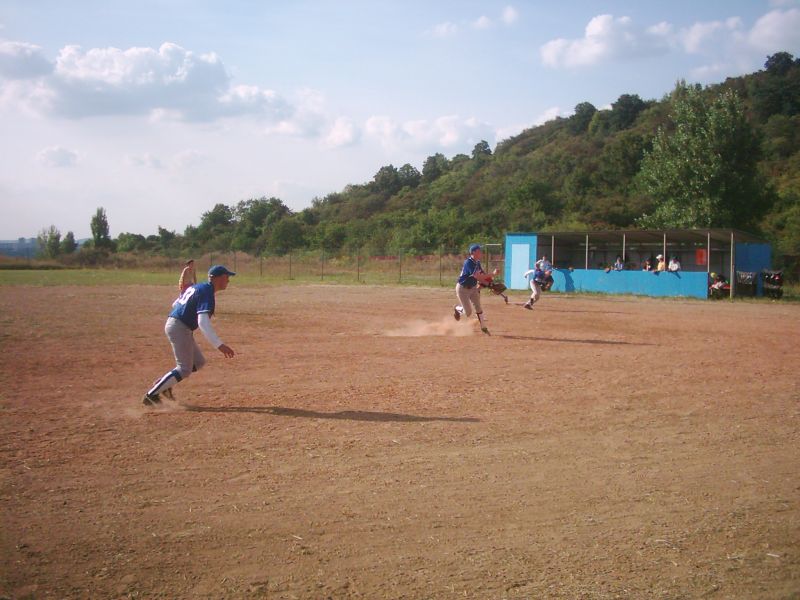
{"points": [[140, 410], [447, 327]]}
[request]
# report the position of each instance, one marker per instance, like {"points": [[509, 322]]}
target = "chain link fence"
{"points": [[439, 269]]}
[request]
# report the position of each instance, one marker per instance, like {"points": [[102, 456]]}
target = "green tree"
{"points": [[481, 150], [702, 171], [625, 110], [579, 122], [100, 231], [387, 180], [434, 167], [286, 235], [409, 176], [49, 241], [68, 244], [779, 63], [130, 242]]}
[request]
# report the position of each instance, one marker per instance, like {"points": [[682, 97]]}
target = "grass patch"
{"points": [[95, 277]]}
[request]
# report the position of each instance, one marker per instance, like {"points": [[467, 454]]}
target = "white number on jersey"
{"points": [[184, 298]]}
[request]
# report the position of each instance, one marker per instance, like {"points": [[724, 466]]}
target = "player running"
{"points": [[193, 310], [536, 279], [467, 289], [540, 277]]}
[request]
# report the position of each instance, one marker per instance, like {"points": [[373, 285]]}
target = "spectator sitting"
{"points": [[647, 265], [674, 264], [662, 265], [619, 265], [719, 288]]}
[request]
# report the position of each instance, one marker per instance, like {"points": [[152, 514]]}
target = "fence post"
{"points": [[441, 252], [290, 266], [261, 266], [322, 273]]}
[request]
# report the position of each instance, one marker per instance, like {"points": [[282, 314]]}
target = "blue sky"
{"points": [[158, 110]]}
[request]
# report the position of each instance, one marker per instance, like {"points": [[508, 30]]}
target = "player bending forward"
{"points": [[467, 290], [191, 311]]}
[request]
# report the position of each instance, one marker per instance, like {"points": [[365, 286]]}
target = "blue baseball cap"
{"points": [[217, 270], [474, 247]]}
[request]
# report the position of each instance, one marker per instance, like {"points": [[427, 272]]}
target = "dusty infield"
{"points": [[361, 446]]}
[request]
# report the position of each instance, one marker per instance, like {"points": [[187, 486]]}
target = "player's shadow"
{"points": [[604, 312], [344, 415], [534, 338]]}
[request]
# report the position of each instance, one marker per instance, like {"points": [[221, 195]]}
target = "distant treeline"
{"points": [[721, 156]]}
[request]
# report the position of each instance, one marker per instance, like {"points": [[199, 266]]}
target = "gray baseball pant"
{"points": [[469, 297]]}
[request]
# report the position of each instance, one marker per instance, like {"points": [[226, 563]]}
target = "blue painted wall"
{"points": [[519, 258], [683, 283], [754, 258]]}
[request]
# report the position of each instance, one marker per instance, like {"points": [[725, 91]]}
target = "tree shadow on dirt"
{"points": [[345, 415], [534, 338]]}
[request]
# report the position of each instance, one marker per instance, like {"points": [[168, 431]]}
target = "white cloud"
{"points": [[776, 31], [445, 132], [187, 159], [145, 160], [482, 22], [444, 30], [252, 100], [548, 115], [605, 37], [708, 33], [168, 82], [306, 118], [343, 132], [57, 156], [729, 47], [510, 15], [20, 60]]}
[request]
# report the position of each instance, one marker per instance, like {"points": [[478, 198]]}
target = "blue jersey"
{"points": [[196, 299], [467, 277]]}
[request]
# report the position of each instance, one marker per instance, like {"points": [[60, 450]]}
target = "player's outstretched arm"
{"points": [[204, 323]]}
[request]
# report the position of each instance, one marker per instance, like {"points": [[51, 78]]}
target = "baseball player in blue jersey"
{"points": [[467, 289], [193, 310]]}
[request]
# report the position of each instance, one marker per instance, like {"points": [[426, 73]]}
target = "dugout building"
{"points": [[582, 259]]}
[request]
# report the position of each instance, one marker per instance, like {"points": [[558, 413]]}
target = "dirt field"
{"points": [[363, 446]]}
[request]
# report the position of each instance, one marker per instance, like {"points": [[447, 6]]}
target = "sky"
{"points": [[158, 110]]}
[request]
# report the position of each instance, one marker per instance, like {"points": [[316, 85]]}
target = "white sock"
{"points": [[166, 382]]}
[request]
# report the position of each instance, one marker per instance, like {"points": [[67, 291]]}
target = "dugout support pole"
{"points": [[624, 240], [553, 251], [708, 252], [664, 251], [441, 252], [733, 266], [586, 262]]}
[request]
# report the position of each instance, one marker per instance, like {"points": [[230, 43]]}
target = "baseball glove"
{"points": [[497, 287]]}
